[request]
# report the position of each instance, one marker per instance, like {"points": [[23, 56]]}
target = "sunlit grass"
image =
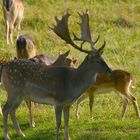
{"points": [[117, 22]]}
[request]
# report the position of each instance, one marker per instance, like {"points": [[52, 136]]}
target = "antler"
{"points": [[61, 29], [85, 31]]}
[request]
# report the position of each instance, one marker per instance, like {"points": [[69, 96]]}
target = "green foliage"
{"points": [[117, 22]]}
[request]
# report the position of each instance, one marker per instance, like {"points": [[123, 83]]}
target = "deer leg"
{"points": [[58, 113], [66, 121], [18, 27], [29, 105], [0, 110], [6, 110], [7, 32], [13, 100], [18, 21], [91, 99], [125, 103], [13, 23], [135, 104], [11, 34], [14, 120], [80, 99]]}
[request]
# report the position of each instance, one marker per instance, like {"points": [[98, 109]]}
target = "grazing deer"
{"points": [[118, 81], [25, 47], [13, 15], [55, 85]]}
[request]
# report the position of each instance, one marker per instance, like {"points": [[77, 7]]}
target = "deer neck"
{"points": [[85, 76]]}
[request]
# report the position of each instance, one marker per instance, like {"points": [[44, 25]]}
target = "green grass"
{"points": [[117, 22]]}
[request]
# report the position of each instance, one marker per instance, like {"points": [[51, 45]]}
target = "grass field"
{"points": [[117, 22]]}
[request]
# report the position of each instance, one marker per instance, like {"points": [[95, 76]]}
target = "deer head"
{"points": [[94, 55]]}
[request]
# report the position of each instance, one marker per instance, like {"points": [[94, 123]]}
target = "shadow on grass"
{"points": [[111, 130], [32, 133], [96, 130], [103, 136]]}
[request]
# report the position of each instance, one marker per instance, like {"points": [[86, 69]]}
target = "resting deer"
{"points": [[55, 85], [25, 47], [13, 15], [118, 81]]}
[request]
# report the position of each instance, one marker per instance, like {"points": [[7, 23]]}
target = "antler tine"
{"points": [[85, 30], [84, 25], [93, 43], [102, 47], [61, 29]]}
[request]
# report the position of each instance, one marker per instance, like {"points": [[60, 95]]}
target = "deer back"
{"points": [[37, 80], [118, 80], [61, 60], [45, 59]]}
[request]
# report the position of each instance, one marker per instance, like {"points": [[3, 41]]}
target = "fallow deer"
{"points": [[13, 15], [55, 85], [118, 81], [25, 47], [61, 60]]}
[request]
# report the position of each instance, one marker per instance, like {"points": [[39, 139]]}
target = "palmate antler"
{"points": [[61, 29], [85, 31]]}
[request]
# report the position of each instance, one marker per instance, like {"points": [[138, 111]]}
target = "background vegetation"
{"points": [[117, 22]]}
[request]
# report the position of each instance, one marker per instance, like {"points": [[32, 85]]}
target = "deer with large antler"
{"points": [[58, 86], [61, 60], [118, 81]]}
